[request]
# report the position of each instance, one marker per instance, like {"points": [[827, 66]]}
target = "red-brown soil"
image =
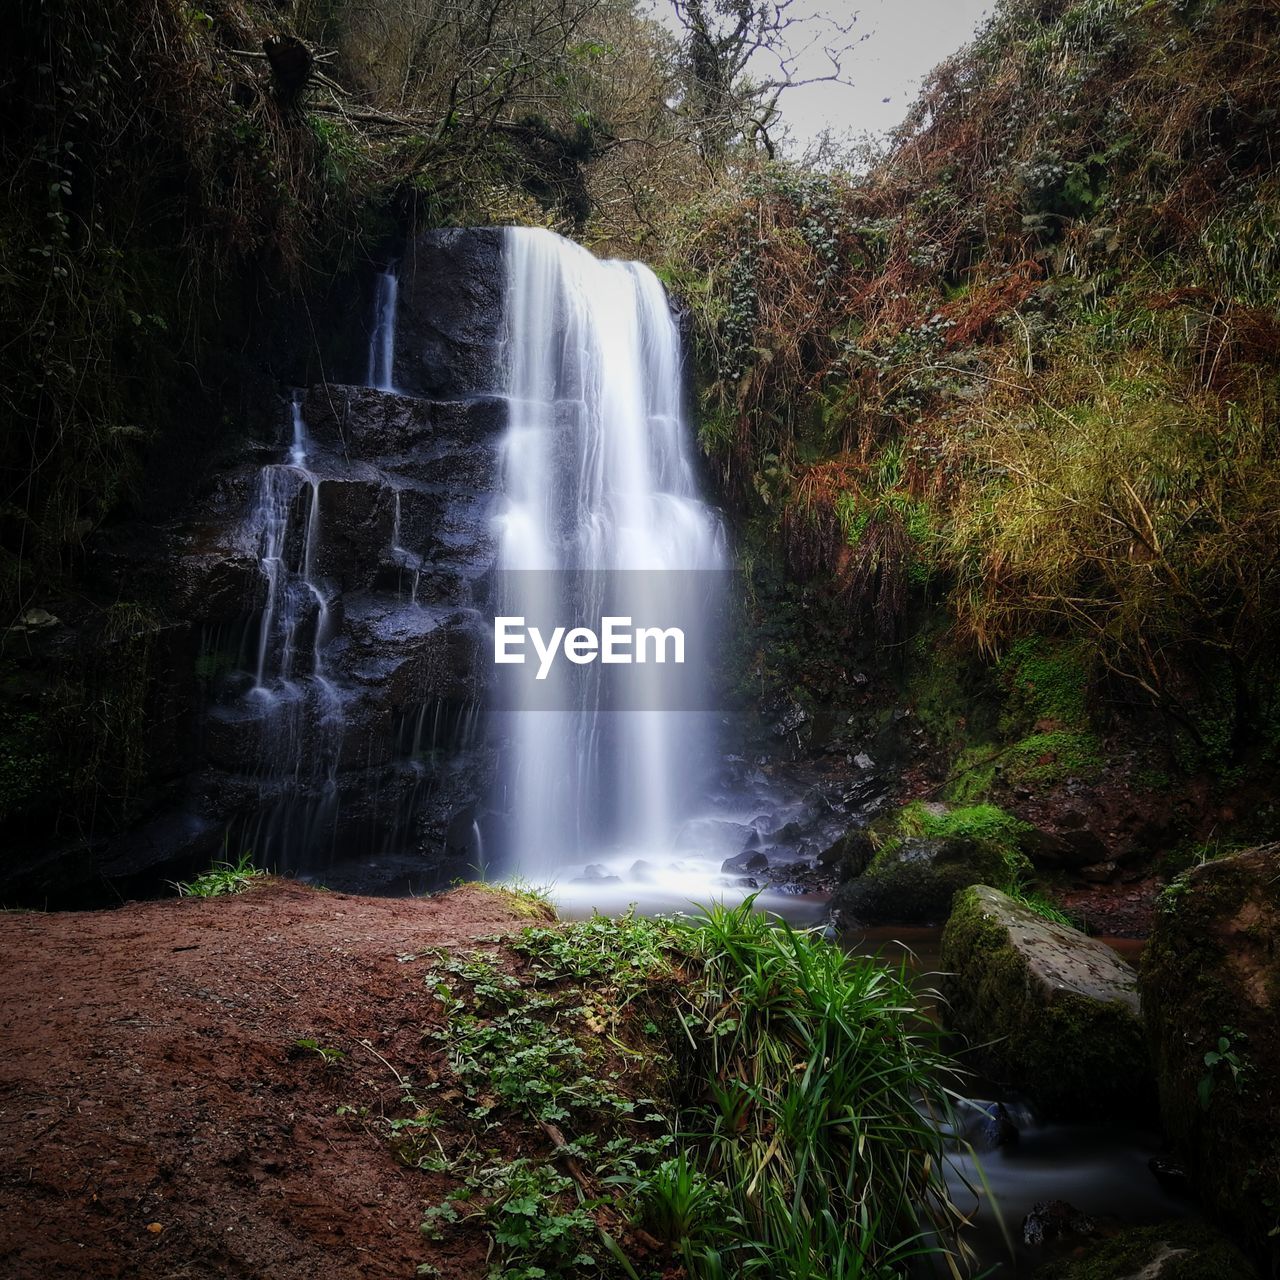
{"points": [[158, 1118]]}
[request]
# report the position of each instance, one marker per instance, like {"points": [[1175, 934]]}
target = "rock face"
{"points": [[1050, 1011], [1211, 993], [913, 881], [450, 319], [320, 674]]}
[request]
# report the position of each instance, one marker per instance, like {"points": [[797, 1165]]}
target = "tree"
{"points": [[742, 55]]}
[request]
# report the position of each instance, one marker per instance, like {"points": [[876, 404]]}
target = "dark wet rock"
{"points": [[790, 889], [642, 870], [787, 718], [1211, 993], [1179, 1250], [1171, 1174], [913, 881], [1056, 1220], [382, 427], [745, 862], [848, 856], [595, 873], [1069, 847], [1050, 1011], [450, 313], [996, 1127]]}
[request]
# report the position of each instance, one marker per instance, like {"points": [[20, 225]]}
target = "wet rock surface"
{"points": [[316, 682], [1180, 1250]]}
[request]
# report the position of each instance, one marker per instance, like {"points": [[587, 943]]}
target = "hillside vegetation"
{"points": [[1024, 370]]}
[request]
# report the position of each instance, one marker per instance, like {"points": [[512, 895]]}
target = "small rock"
{"points": [[1055, 1220], [864, 761], [38, 620], [597, 874], [1171, 1174], [642, 870], [747, 861], [995, 1127]]}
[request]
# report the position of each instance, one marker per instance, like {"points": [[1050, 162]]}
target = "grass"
{"points": [[529, 900], [713, 1093], [222, 878]]}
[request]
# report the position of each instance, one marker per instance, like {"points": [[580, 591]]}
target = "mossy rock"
{"points": [[1166, 1251], [913, 881], [1051, 1012], [1211, 993]]}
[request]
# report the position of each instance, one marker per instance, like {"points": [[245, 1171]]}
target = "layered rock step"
{"points": [[349, 661]]}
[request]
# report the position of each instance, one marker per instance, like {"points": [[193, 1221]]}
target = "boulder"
{"points": [[1051, 1012], [912, 881], [1211, 992], [1178, 1250]]}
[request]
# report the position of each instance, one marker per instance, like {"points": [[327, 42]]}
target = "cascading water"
{"points": [[300, 707], [597, 476], [382, 340]]}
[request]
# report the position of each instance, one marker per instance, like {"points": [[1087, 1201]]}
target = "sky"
{"points": [[904, 40]]}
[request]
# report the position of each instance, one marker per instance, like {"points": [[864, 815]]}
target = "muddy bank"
{"points": [[160, 1117]]}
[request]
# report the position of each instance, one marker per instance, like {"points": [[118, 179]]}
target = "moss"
{"points": [[1045, 759], [913, 881], [985, 824], [1074, 1055], [1046, 681], [972, 776], [1201, 1254]]}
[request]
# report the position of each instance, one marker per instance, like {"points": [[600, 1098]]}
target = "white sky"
{"points": [[905, 39]]}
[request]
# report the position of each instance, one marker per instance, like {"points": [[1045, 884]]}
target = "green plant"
{"points": [[223, 878], [326, 1053], [1226, 1060], [780, 1074]]}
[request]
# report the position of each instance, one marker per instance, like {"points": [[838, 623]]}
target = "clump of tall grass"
{"points": [[819, 1086], [730, 1097]]}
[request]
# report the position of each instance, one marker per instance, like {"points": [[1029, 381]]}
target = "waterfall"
{"points": [[382, 339], [298, 705], [598, 476]]}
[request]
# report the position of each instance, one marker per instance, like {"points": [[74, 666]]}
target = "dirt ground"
{"points": [[159, 1119]]}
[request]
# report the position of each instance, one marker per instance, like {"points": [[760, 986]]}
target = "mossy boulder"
{"points": [[912, 881], [934, 851], [1211, 993], [1167, 1251], [1051, 1012]]}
